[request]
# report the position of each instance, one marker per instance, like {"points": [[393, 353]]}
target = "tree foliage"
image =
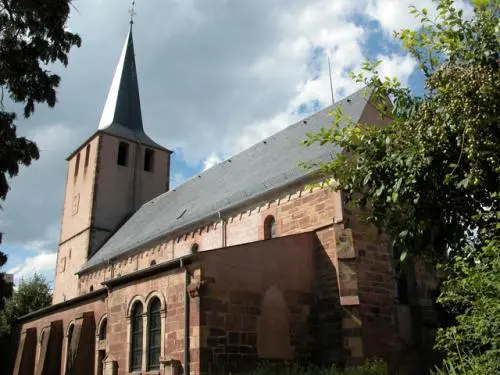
{"points": [[33, 35], [431, 176], [433, 168], [6, 287], [32, 294], [472, 292]]}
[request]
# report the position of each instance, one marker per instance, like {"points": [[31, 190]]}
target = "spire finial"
{"points": [[132, 12]]}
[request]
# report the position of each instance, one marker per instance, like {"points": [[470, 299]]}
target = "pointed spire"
{"points": [[123, 106], [121, 115]]}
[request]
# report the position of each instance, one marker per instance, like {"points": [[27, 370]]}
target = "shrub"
{"points": [[370, 367]]}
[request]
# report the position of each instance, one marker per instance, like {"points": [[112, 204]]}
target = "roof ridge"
{"points": [[256, 144]]}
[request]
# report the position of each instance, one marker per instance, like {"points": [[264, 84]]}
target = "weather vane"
{"points": [[132, 12]]}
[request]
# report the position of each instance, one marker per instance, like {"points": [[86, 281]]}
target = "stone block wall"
{"points": [[51, 334], [296, 210], [257, 303], [170, 289], [376, 289]]}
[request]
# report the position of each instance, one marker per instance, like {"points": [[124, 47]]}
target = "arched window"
{"points": [[269, 228], [91, 289], [153, 262], [154, 334], [194, 248], [69, 356], [103, 330], [136, 339]]}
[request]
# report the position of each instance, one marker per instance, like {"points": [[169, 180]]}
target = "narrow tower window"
{"points": [[87, 156], [77, 164], [269, 228], [122, 154], [149, 158]]}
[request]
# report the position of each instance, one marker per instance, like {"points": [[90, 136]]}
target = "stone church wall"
{"points": [[295, 211], [257, 302], [56, 323], [170, 289]]}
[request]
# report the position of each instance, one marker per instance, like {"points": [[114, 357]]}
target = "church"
{"points": [[243, 262]]}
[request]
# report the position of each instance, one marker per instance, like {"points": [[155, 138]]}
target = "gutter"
{"points": [[60, 305], [150, 271]]}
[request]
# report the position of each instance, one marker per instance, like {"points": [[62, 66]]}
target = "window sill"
{"points": [[151, 372]]}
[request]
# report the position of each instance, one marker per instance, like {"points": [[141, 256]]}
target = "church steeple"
{"points": [[123, 105], [110, 175], [122, 112]]}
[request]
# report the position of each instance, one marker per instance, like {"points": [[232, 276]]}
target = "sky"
{"points": [[215, 76]]}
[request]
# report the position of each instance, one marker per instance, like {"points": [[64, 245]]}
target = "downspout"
{"points": [[187, 280], [223, 231]]}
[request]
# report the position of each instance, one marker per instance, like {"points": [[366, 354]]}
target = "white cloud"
{"points": [[211, 160], [394, 15], [43, 263], [396, 66], [177, 179], [215, 79]]}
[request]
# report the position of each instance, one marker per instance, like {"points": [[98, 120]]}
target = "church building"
{"points": [[245, 261]]}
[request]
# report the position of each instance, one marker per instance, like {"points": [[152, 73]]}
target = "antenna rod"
{"points": [[330, 75], [132, 12]]}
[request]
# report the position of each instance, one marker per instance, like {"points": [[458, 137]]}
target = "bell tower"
{"points": [[109, 177]]}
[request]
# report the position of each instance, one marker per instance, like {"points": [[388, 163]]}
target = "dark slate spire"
{"points": [[123, 105], [122, 112]]}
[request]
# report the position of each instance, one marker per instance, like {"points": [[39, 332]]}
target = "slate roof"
{"points": [[267, 166]]}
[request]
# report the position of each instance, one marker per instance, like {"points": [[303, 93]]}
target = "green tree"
{"points": [[33, 36], [6, 287], [431, 177], [32, 294]]}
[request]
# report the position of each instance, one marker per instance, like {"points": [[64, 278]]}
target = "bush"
{"points": [[370, 367], [470, 365]]}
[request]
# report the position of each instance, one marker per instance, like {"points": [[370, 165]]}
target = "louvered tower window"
{"points": [[136, 350], [154, 335]]}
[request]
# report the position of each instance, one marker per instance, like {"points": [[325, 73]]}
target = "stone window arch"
{"points": [[269, 227], [103, 328], [136, 336]]}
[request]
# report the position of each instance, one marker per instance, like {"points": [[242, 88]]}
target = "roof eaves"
{"points": [[60, 305], [150, 271]]}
